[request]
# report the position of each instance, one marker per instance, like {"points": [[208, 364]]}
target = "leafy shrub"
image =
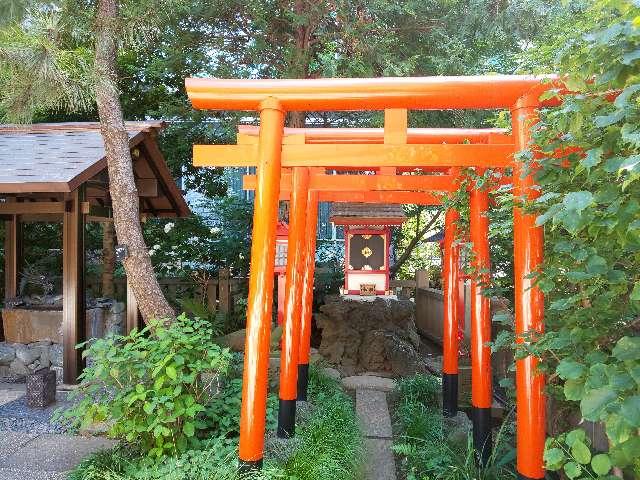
{"points": [[155, 387], [424, 445]]}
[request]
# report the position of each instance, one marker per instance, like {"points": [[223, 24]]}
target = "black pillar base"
{"points": [[449, 394], [246, 467], [482, 441], [524, 477], [303, 382], [287, 418]]}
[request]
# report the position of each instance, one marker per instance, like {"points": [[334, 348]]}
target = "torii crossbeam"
{"points": [[273, 98]]}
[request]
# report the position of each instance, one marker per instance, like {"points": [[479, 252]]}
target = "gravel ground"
{"points": [[16, 416]]}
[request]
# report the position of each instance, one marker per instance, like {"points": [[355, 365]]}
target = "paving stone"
{"points": [[373, 412], [380, 463], [20, 474], [368, 382], [55, 453], [12, 441]]}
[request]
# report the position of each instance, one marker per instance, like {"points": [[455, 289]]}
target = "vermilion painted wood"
{"points": [[359, 155], [450, 275], [428, 93], [529, 304], [307, 283], [481, 388], [349, 183], [296, 265], [261, 279], [376, 135]]}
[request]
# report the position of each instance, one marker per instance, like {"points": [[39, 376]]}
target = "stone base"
{"points": [[41, 388]]}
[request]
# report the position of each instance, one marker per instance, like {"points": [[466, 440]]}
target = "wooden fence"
{"points": [[218, 294]]}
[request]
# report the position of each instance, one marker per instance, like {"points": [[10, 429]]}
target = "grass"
{"points": [[328, 446], [427, 452]]}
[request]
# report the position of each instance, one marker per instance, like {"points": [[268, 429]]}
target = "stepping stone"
{"points": [[372, 410], [380, 463], [54, 453], [368, 382]]}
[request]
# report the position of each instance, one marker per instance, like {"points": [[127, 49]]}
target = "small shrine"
{"points": [[367, 234]]}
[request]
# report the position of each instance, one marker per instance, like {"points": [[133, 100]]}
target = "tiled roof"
{"points": [[55, 157], [347, 211]]}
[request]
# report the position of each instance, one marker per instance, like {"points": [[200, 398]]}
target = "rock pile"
{"points": [[18, 359], [370, 336]]}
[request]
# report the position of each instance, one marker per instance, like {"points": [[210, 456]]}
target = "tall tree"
{"points": [[42, 72]]}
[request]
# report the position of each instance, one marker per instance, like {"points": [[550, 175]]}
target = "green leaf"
{"points": [[602, 121], [629, 57], [572, 469], [570, 369], [594, 402], [189, 429], [573, 390], [627, 348], [630, 410], [553, 458], [577, 201], [601, 464], [626, 453], [581, 452], [171, 372], [576, 435], [635, 293]]}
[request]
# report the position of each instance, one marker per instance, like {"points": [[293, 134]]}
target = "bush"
{"points": [[150, 387], [424, 445]]}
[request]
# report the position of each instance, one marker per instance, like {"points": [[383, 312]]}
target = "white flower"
{"points": [[156, 246], [151, 252], [215, 230], [241, 257], [168, 227]]}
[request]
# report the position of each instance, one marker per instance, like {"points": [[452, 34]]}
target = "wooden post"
{"points": [[12, 256], [73, 310], [224, 293], [211, 296], [133, 314], [422, 278], [255, 381], [108, 259]]}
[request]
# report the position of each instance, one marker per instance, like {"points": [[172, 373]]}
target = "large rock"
{"points": [[27, 355], [7, 354], [55, 355], [372, 336]]}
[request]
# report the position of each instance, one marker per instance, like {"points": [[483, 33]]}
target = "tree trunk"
{"points": [[413, 244], [108, 259], [124, 195]]}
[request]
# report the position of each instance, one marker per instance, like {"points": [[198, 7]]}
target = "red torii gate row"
{"points": [[273, 98], [394, 186]]}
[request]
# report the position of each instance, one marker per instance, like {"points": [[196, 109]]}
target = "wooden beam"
{"points": [[24, 208], [361, 155], [73, 309], [350, 183], [147, 187], [401, 198]]}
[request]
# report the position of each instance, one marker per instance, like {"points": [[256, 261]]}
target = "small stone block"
{"points": [[41, 388]]}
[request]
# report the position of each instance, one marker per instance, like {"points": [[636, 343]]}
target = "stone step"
{"points": [[380, 464], [373, 413]]}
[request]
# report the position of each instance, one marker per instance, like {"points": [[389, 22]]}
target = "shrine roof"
{"points": [[367, 214]]}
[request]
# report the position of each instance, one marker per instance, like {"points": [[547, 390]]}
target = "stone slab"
{"points": [[373, 413], [55, 453], [27, 326], [380, 464], [368, 382], [20, 474]]}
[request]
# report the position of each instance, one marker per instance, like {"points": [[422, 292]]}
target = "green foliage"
{"points": [[331, 444], [591, 213], [427, 451], [156, 387]]}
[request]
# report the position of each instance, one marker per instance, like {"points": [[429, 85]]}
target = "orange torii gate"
{"points": [[387, 181], [273, 98]]}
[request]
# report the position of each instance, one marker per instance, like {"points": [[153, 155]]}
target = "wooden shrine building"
{"points": [[58, 173], [367, 234]]}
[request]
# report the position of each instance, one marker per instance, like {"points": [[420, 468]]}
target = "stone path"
{"points": [[373, 412], [28, 448]]}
